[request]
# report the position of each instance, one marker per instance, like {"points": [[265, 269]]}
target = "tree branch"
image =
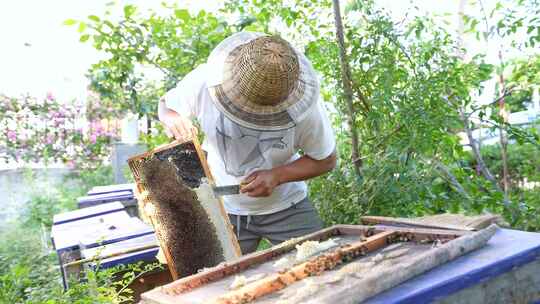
{"points": [[451, 178], [478, 156], [347, 89]]}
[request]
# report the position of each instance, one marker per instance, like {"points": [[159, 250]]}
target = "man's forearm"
{"points": [[175, 124], [304, 168], [262, 183], [162, 109]]}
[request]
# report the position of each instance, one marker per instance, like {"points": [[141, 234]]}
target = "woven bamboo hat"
{"points": [[261, 82]]}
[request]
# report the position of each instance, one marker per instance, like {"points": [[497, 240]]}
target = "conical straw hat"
{"points": [[263, 83]]}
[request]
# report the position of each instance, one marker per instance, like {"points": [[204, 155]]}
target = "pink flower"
{"points": [[50, 139], [71, 164], [12, 135], [96, 126], [93, 138], [50, 96]]}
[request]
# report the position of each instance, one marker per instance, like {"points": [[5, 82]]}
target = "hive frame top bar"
{"points": [[175, 143]]}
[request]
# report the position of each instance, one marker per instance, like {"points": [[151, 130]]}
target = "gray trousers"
{"points": [[295, 221]]}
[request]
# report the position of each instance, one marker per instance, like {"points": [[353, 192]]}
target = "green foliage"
{"points": [[39, 210], [100, 176], [30, 274], [524, 180], [525, 72], [264, 244], [29, 271], [407, 90], [174, 44], [523, 162], [410, 82], [26, 272], [156, 138]]}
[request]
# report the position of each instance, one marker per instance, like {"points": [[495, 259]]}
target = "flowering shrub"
{"points": [[45, 130]]}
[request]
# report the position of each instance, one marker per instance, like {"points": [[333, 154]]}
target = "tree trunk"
{"points": [[347, 89], [502, 130], [452, 179], [475, 147]]}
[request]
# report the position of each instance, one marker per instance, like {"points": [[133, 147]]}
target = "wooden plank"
{"points": [[375, 220], [414, 233], [377, 281], [314, 266], [439, 221], [157, 149]]}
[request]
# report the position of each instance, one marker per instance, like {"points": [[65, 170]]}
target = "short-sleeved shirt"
{"points": [[234, 152]]}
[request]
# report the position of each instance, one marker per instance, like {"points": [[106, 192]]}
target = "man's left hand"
{"points": [[260, 183]]}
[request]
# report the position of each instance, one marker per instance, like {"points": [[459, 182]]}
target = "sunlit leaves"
{"points": [[129, 10], [84, 38], [70, 22], [82, 27], [182, 14], [94, 18]]}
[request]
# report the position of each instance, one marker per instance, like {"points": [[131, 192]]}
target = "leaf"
{"points": [[182, 14], [109, 24], [94, 18], [82, 27], [129, 10], [84, 38], [70, 22]]}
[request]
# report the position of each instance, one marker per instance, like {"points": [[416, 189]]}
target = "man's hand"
{"points": [[260, 183], [175, 124]]}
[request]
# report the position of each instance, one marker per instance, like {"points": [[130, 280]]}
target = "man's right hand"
{"points": [[175, 124]]}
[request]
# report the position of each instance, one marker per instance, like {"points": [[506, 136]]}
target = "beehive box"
{"points": [[126, 197], [175, 195], [102, 194], [80, 214], [66, 237], [360, 262], [142, 249], [111, 189]]}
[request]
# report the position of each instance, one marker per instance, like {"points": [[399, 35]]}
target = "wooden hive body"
{"points": [[174, 186], [365, 262]]}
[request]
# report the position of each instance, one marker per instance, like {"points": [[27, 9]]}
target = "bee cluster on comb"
{"points": [[184, 216]]}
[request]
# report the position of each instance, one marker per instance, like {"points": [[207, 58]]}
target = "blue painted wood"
{"points": [[80, 214], [143, 255], [110, 189], [116, 232], [114, 248], [148, 255], [66, 236], [88, 201], [505, 250]]}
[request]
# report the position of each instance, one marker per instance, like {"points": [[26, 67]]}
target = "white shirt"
{"points": [[234, 152]]}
